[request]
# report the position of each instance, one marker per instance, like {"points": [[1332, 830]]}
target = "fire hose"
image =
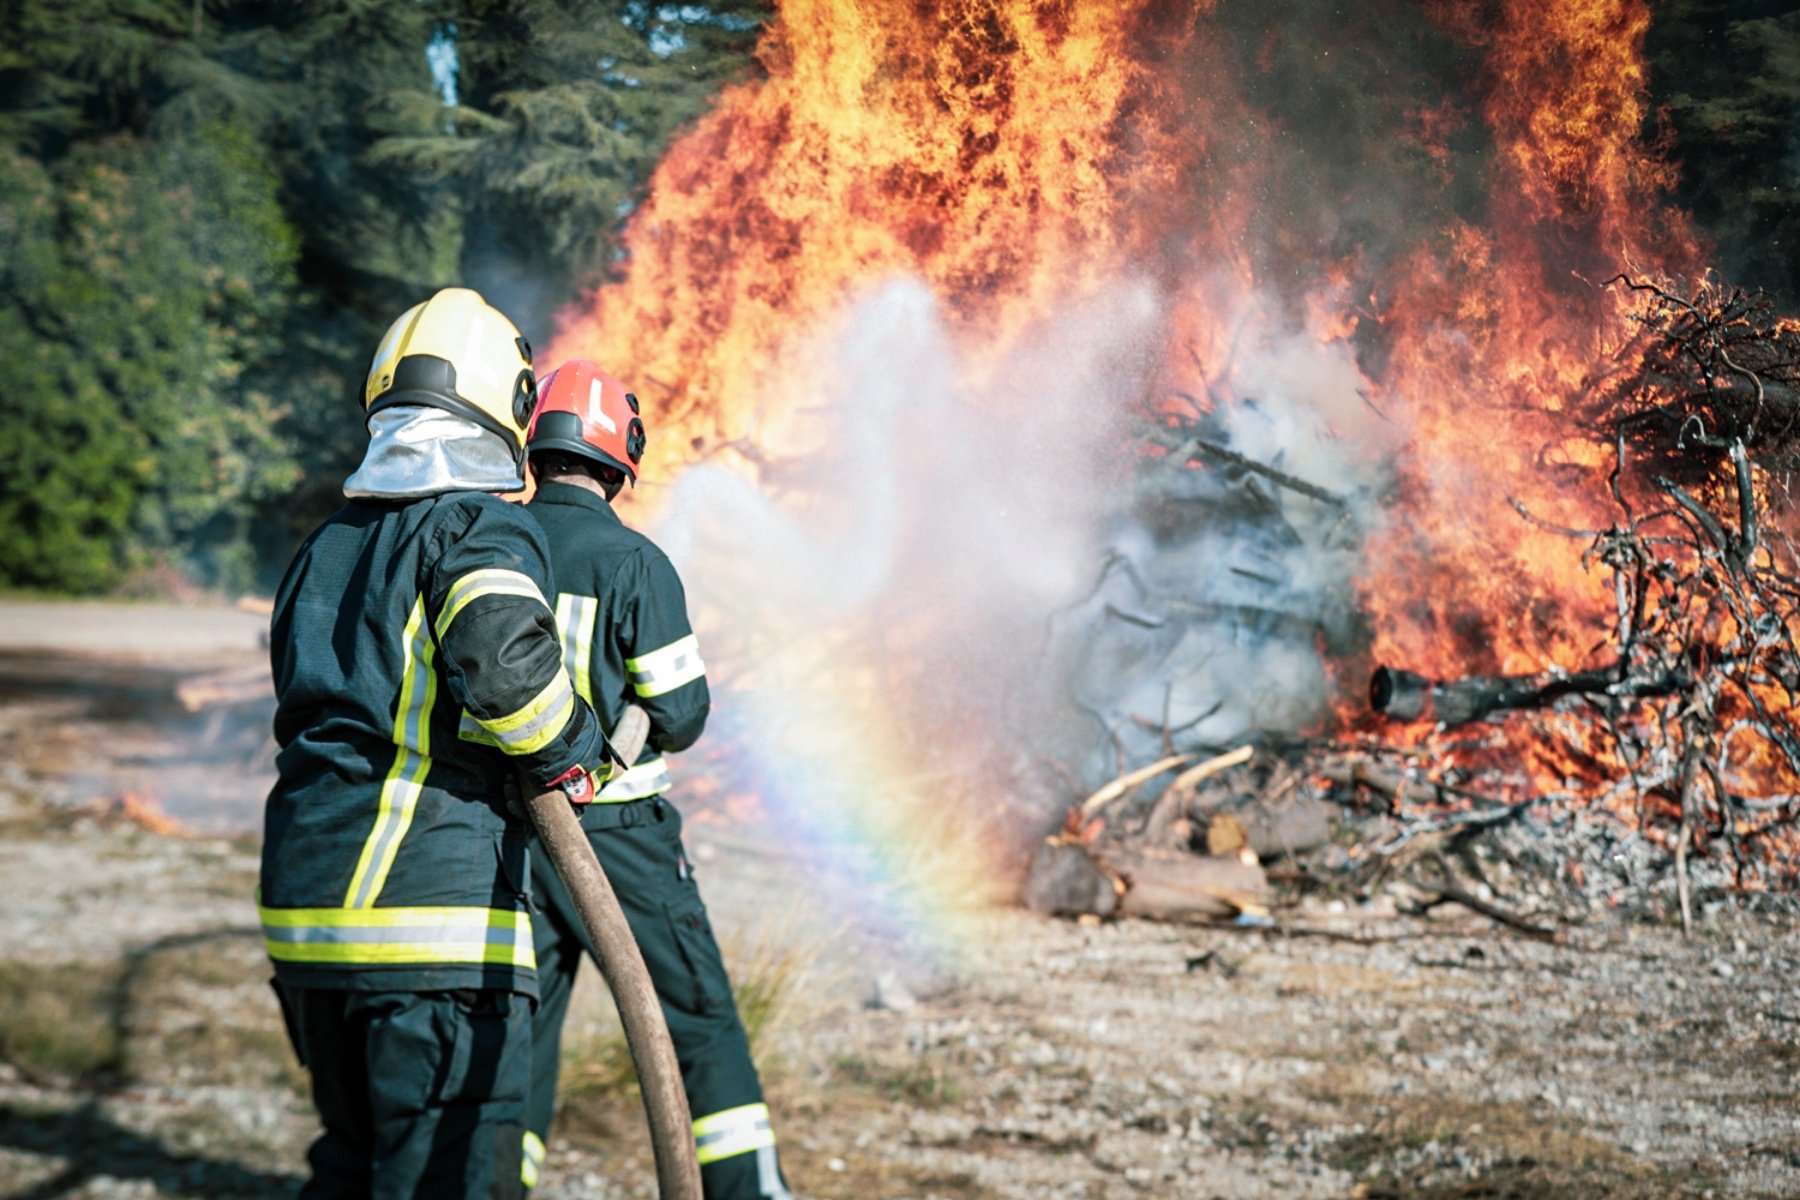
{"points": [[622, 964]]}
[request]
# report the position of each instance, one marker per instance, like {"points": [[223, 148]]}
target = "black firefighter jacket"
{"points": [[402, 632], [626, 638]]}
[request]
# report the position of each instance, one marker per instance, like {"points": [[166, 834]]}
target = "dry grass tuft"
{"points": [[770, 967], [56, 1019]]}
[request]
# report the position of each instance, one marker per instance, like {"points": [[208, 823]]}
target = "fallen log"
{"points": [[1171, 886], [1401, 695], [1068, 879], [1064, 882]]}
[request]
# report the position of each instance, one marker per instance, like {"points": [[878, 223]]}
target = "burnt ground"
{"points": [[1347, 1052]]}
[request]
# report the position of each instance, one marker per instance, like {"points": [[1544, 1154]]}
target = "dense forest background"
{"points": [[209, 209]]}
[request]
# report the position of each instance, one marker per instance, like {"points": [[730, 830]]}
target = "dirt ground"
{"points": [[1344, 1053]]}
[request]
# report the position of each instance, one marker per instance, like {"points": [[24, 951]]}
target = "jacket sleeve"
{"points": [[485, 596], [662, 657]]}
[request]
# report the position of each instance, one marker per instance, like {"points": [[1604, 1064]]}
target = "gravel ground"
{"points": [[1366, 1057], [1346, 1053]]}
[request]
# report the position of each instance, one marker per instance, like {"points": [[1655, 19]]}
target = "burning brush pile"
{"points": [[1085, 411], [1671, 757]]}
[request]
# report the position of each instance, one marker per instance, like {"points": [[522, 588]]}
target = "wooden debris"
{"points": [[1451, 893], [1064, 881], [1672, 747], [1172, 805], [1068, 878], [1124, 783], [1403, 696], [1171, 886], [1225, 836], [1189, 779], [1288, 827]]}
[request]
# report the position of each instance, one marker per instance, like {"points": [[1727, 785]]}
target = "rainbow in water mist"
{"points": [[871, 848], [872, 599]]}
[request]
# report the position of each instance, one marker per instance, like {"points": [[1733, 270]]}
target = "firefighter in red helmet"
{"points": [[623, 617]]}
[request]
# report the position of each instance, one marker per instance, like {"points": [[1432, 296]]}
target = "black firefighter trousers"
{"points": [[639, 845], [422, 1094]]}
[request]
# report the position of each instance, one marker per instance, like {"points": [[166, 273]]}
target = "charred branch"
{"points": [[1716, 367], [1449, 893], [1184, 448], [1402, 695]]}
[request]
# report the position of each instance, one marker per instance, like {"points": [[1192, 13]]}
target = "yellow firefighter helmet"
{"points": [[459, 353]]}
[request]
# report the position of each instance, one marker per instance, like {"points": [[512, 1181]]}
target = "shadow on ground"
{"points": [[98, 1147]]}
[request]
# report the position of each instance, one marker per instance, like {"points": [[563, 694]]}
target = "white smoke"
{"points": [[1222, 586], [925, 498], [947, 526]]}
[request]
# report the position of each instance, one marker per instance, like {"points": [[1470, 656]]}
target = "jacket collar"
{"points": [[574, 497]]}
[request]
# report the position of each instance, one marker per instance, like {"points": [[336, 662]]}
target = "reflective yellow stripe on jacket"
{"points": [[388, 936], [649, 778], [476, 584], [531, 1162], [412, 760], [666, 669], [575, 619], [536, 724]]}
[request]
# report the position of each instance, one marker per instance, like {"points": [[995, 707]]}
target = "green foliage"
{"points": [[140, 291], [564, 107], [77, 69], [1729, 73], [210, 208]]}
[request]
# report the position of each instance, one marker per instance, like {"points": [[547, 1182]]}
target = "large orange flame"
{"points": [[1023, 156], [1495, 330], [995, 150]]}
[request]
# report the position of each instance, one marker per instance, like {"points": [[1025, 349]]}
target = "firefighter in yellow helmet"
{"points": [[417, 667]]}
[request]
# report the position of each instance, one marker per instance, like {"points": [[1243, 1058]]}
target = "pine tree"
{"points": [[140, 285], [562, 109], [1728, 77]]}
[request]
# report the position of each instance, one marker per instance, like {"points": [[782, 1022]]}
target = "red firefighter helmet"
{"points": [[584, 411]]}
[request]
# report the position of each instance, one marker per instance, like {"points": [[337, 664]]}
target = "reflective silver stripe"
{"points": [[648, 778], [666, 669], [399, 935], [732, 1132], [536, 724], [575, 619], [469, 729], [768, 1176], [565, 616], [488, 582], [345, 935]]}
